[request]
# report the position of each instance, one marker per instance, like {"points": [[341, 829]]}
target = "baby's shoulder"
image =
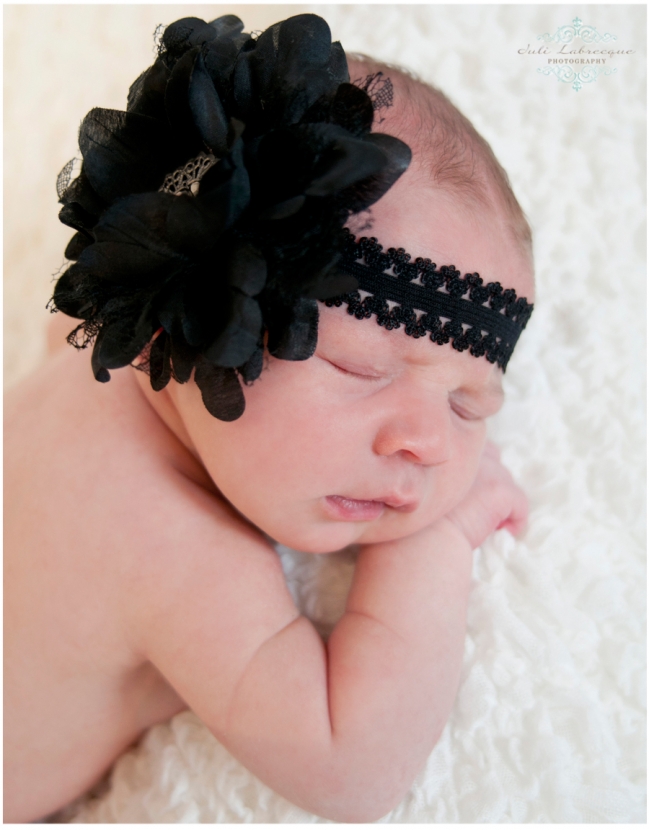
{"points": [[120, 499]]}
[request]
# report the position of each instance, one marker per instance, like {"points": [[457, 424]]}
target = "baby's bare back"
{"points": [[90, 474]]}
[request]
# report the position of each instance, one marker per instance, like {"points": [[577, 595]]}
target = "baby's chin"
{"points": [[332, 536]]}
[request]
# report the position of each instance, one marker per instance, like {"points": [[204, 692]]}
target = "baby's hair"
{"points": [[448, 152]]}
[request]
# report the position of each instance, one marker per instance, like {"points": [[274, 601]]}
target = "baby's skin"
{"points": [[138, 581]]}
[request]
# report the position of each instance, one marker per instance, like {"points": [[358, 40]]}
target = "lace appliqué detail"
{"points": [[65, 176], [485, 319], [380, 90], [186, 179]]}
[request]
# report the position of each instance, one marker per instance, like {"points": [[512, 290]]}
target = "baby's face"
{"points": [[378, 434]]}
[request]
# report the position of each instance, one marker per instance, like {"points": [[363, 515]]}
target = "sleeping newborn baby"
{"points": [[264, 402]]}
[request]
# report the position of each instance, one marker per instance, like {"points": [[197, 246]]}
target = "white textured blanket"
{"points": [[549, 721]]}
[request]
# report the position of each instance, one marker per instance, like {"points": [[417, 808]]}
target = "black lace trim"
{"points": [[381, 91], [485, 319]]}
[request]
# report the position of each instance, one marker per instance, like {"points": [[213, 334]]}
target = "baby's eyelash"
{"points": [[464, 414], [354, 374]]}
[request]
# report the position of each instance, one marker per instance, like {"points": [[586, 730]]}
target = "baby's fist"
{"points": [[493, 502]]}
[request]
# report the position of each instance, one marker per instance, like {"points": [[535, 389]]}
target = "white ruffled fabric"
{"points": [[549, 721]]}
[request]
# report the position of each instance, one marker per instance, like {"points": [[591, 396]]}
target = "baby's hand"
{"points": [[495, 501]]}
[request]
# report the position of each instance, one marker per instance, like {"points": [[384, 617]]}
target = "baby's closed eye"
{"points": [[475, 406], [467, 404], [362, 372], [465, 413]]}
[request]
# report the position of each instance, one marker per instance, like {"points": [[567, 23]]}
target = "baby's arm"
{"points": [[342, 729], [395, 657]]}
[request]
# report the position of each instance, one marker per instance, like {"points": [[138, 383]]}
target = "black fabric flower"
{"points": [[210, 214]]}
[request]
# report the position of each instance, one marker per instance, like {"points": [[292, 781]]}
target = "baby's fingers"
{"points": [[516, 522]]}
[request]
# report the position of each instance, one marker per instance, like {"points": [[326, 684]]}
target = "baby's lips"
{"points": [[401, 505], [355, 509], [349, 509]]}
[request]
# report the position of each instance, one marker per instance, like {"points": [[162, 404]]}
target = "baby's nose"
{"points": [[420, 430]]}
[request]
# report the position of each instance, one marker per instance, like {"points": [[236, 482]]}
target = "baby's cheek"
{"points": [[473, 447], [462, 468]]}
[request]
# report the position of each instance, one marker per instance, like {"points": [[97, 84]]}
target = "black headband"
{"points": [[210, 215], [486, 319]]}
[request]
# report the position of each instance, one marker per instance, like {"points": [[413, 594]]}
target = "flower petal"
{"points": [[303, 43], [364, 193], [77, 245], [281, 166], [169, 306], [338, 67], [348, 161], [243, 99], [146, 95], [220, 55], [123, 152], [207, 109], [285, 71], [284, 209], [352, 109], [75, 292], [185, 34], [225, 188], [296, 335], [183, 357], [332, 285], [179, 114], [220, 389], [251, 370], [238, 340], [131, 241], [227, 27], [123, 339], [100, 372], [80, 192], [204, 300], [74, 216], [160, 362], [247, 269], [170, 312], [309, 66], [192, 227]]}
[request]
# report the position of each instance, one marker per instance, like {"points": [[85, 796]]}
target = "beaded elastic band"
{"points": [[486, 319]]}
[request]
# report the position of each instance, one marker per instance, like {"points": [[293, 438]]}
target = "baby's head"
{"points": [[222, 255], [378, 433]]}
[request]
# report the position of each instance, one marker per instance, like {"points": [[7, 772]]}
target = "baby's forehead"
{"points": [[440, 226]]}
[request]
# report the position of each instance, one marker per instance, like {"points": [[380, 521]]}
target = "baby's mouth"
{"points": [[358, 510], [354, 510]]}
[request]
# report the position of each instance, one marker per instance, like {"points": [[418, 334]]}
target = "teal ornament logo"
{"points": [[566, 34], [562, 68], [567, 74]]}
